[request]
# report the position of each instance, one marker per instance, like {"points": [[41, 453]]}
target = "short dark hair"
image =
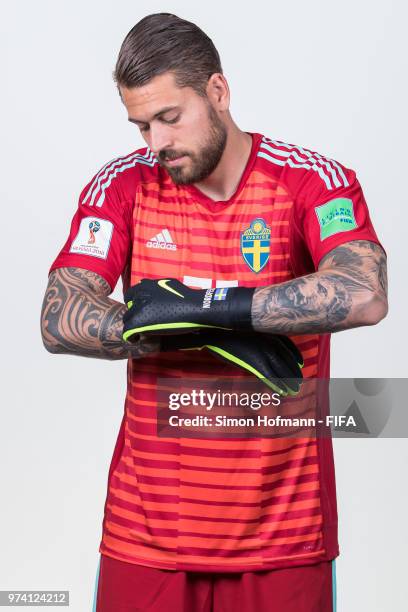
{"points": [[163, 42]]}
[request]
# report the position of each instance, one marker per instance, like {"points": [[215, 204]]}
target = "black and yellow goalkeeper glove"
{"points": [[274, 359], [167, 306]]}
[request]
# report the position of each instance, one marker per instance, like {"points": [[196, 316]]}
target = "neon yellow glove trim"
{"points": [[248, 367]]}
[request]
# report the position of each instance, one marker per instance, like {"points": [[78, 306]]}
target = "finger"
{"points": [[130, 292], [131, 338], [284, 358], [256, 363], [293, 349], [288, 361], [144, 347], [149, 344], [280, 361], [290, 380], [143, 287]]}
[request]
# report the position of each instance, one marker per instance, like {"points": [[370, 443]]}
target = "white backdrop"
{"points": [[326, 75]]}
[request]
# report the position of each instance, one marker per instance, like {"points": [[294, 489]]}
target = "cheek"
{"points": [[186, 140], [192, 133], [196, 124]]}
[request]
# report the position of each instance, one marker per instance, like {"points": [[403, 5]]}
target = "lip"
{"points": [[175, 162]]}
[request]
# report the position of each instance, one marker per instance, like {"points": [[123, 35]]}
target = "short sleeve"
{"points": [[325, 217], [100, 234]]}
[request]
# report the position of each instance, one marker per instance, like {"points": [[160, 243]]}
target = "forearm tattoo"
{"points": [[348, 290], [77, 317]]}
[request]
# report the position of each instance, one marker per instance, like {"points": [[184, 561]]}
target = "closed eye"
{"points": [[145, 128], [171, 120]]}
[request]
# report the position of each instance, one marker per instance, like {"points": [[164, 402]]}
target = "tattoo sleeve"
{"points": [[348, 290], [79, 318]]}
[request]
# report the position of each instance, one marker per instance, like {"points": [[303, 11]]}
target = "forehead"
{"points": [[160, 92]]}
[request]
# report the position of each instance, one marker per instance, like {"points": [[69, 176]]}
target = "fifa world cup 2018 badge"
{"points": [[94, 227], [255, 244]]}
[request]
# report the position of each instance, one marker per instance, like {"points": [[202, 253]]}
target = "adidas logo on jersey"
{"points": [[162, 240]]}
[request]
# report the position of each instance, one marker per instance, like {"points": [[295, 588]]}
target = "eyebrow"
{"points": [[161, 112]]}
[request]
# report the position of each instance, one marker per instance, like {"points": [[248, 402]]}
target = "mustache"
{"points": [[169, 155]]}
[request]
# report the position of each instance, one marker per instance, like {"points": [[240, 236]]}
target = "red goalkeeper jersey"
{"points": [[219, 505]]}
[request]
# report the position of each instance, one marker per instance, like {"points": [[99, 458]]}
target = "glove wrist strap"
{"points": [[241, 305]]}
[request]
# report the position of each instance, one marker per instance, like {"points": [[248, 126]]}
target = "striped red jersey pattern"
{"points": [[201, 504]]}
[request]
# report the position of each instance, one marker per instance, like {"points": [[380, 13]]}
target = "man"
{"points": [[200, 524]]}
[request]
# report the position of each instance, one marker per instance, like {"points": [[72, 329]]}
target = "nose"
{"points": [[159, 138]]}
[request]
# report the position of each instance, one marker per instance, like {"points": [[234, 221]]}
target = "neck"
{"points": [[223, 182]]}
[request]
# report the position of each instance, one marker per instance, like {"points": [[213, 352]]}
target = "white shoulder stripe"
{"points": [[105, 170], [290, 163], [294, 156], [96, 191], [98, 197], [329, 163], [314, 160]]}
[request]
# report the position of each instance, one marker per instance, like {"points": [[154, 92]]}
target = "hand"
{"points": [[143, 346], [273, 359], [167, 306]]}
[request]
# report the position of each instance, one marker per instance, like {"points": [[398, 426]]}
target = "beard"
{"points": [[205, 161]]}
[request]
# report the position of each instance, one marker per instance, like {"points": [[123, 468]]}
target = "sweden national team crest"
{"points": [[255, 242]]}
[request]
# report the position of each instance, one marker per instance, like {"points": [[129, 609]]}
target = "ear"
{"points": [[218, 92]]}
